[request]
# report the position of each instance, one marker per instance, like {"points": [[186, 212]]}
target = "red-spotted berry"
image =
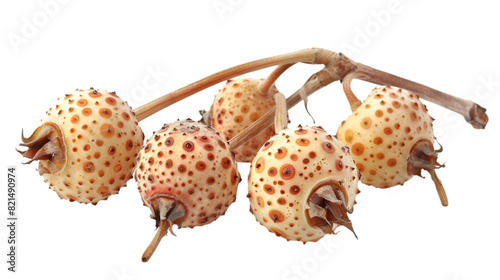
{"points": [[237, 105], [187, 176]]}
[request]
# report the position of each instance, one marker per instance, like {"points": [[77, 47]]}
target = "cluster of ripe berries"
{"points": [[302, 183]]}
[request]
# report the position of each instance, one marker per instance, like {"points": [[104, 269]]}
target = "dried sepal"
{"points": [[327, 207], [166, 211], [423, 156], [46, 145]]}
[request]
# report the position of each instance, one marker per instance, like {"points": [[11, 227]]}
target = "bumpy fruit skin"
{"points": [[189, 163], [237, 105], [382, 132], [286, 172], [101, 138]]}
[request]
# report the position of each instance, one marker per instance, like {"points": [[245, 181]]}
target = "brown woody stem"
{"points": [[336, 69], [160, 233], [281, 116], [341, 68], [439, 187], [351, 97], [265, 85], [472, 112], [311, 56], [167, 212]]}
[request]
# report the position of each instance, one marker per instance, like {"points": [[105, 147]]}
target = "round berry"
{"points": [[187, 176], [391, 138], [302, 184], [237, 105], [86, 146]]}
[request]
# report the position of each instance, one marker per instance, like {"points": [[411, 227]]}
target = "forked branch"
{"points": [[337, 67], [335, 70], [310, 56], [265, 85]]}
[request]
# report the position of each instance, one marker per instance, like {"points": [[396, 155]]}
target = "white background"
{"points": [[404, 233]]}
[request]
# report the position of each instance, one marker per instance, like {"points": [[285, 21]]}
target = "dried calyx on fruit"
{"points": [[86, 146], [391, 139], [187, 176], [238, 104], [303, 184]]}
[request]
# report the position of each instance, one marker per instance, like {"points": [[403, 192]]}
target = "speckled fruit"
{"points": [[237, 105], [391, 138], [86, 146], [302, 184], [187, 176]]}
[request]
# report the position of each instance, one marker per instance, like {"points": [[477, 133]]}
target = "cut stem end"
{"points": [[472, 112], [439, 187]]}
